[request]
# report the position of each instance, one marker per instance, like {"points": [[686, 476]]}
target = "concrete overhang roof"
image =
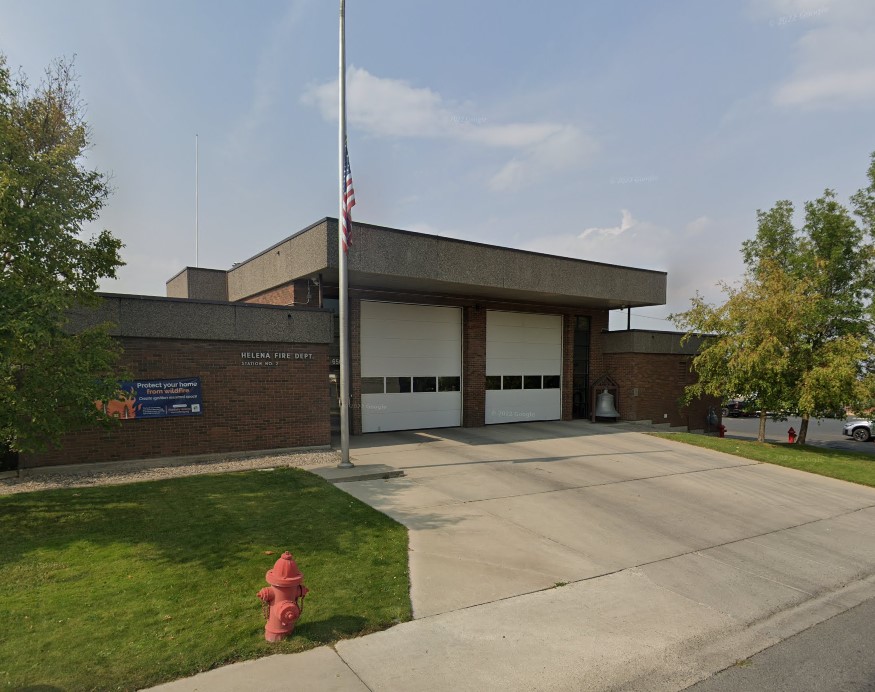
{"points": [[395, 260]]}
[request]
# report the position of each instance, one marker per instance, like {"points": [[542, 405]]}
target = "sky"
{"points": [[628, 132]]}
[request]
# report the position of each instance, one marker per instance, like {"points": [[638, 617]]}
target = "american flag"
{"points": [[348, 197]]}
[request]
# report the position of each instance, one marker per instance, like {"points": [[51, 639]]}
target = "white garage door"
{"points": [[523, 367], [411, 366]]}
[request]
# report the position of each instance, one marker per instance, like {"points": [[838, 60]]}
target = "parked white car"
{"points": [[858, 428]]}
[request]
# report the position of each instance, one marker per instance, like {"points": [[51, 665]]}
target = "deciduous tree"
{"points": [[746, 349], [798, 333], [49, 378]]}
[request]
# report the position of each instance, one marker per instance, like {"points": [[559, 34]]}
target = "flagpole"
{"points": [[345, 463]]}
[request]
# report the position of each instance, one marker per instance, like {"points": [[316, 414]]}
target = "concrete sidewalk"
{"points": [[572, 556]]}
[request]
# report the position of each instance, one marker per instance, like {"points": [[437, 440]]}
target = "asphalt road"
{"points": [[837, 654], [824, 433]]}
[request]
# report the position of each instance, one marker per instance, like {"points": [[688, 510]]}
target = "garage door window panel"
{"points": [[449, 384], [397, 385], [372, 385], [425, 384]]}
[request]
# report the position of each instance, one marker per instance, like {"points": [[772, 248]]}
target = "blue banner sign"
{"points": [[157, 398]]}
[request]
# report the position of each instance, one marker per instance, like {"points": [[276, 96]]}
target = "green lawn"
{"points": [[857, 467], [121, 587]]}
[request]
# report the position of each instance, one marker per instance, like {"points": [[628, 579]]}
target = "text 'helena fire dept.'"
{"points": [[271, 358]]}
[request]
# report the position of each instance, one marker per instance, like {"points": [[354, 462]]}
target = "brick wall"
{"points": [[598, 364], [355, 363], [651, 386], [568, 366], [293, 293], [473, 366], [244, 407]]}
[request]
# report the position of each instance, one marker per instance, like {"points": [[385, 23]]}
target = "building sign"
{"points": [[158, 398], [272, 358]]}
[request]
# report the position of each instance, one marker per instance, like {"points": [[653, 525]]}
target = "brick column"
{"points": [[355, 363], [474, 367], [567, 366]]}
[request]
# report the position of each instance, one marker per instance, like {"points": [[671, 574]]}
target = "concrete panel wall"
{"points": [[397, 253], [199, 284], [177, 287], [303, 254], [646, 341], [168, 318], [401, 260]]}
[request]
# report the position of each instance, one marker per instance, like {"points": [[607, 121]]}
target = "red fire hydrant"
{"points": [[791, 436], [284, 598], [721, 431]]}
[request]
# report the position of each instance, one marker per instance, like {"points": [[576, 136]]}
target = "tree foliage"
{"points": [[798, 333], [49, 378], [746, 352]]}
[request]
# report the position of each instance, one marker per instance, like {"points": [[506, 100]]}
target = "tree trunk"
{"points": [[803, 429], [761, 435]]}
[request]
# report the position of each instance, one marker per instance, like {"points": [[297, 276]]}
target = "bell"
{"points": [[604, 407]]}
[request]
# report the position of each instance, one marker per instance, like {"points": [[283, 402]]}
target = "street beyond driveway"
{"points": [[573, 556], [821, 433]]}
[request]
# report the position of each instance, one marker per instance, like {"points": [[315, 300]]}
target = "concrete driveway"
{"points": [[572, 556], [669, 561]]}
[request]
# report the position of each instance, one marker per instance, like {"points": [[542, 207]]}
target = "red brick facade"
{"points": [[598, 365], [473, 366], [244, 407], [293, 293], [598, 322], [651, 386], [355, 362], [567, 366]]}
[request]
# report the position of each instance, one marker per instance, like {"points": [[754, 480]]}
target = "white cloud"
{"points": [[394, 108], [834, 58], [626, 223], [696, 255], [828, 89], [696, 226]]}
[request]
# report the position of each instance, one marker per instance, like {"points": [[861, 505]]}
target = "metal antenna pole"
{"points": [[196, 206]]}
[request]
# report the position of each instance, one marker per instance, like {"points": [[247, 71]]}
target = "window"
{"points": [[551, 381], [493, 382], [425, 384], [684, 373], [532, 382], [396, 385], [449, 384], [372, 385], [513, 382]]}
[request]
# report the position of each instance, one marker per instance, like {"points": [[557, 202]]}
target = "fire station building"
{"points": [[443, 333]]}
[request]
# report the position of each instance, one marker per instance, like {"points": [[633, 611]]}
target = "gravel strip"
{"points": [[50, 481]]}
